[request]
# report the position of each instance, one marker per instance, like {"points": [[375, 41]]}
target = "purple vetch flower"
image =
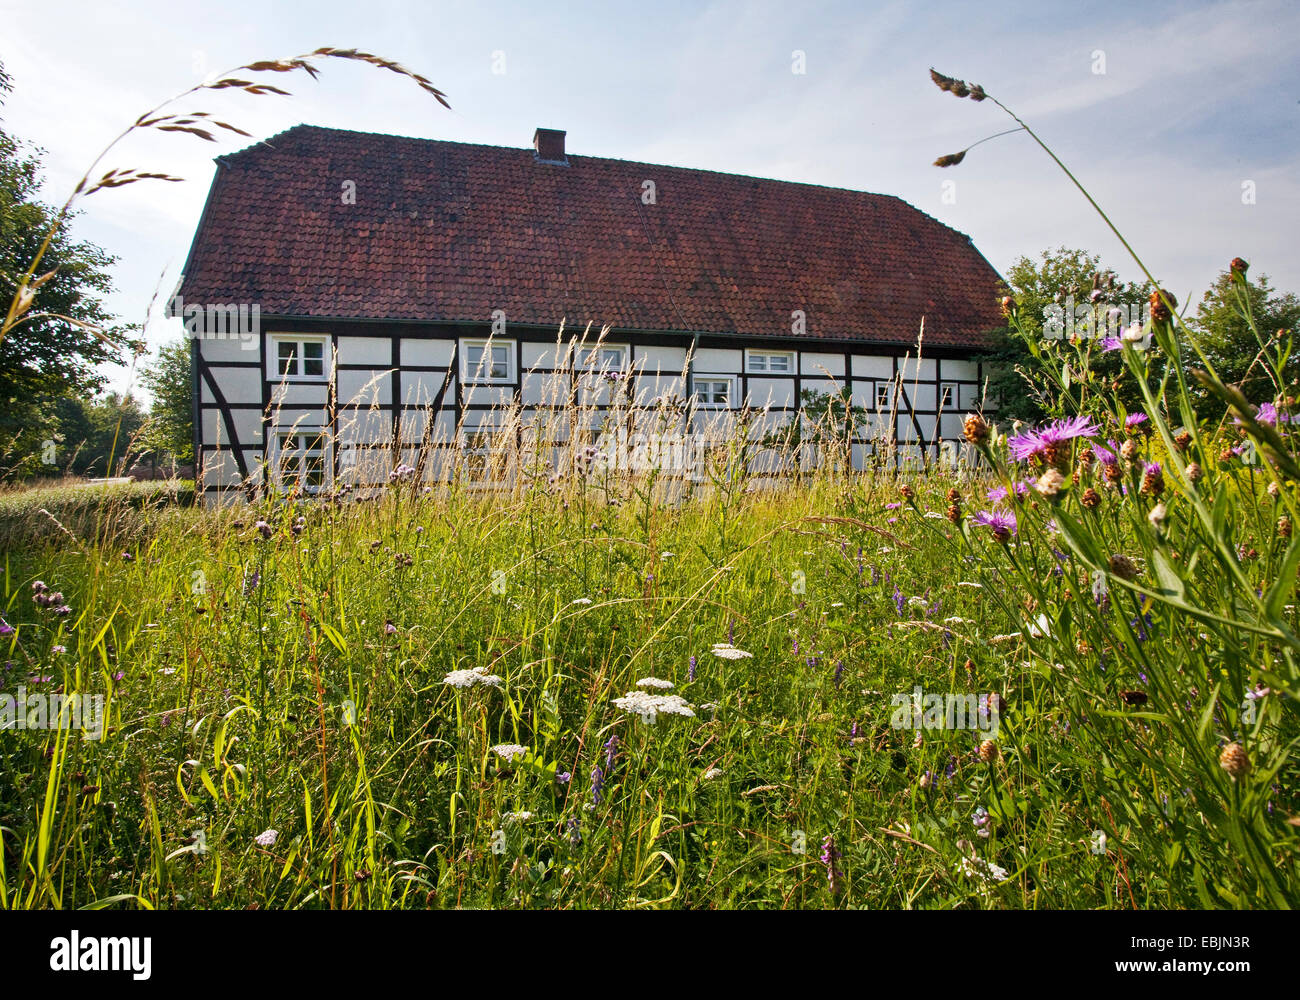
{"points": [[899, 600], [119, 675], [6, 628], [690, 673], [575, 834], [1046, 444], [390, 628], [597, 784], [796, 646], [1001, 523], [563, 777], [980, 819], [829, 858], [950, 768], [839, 672], [611, 752], [251, 582]]}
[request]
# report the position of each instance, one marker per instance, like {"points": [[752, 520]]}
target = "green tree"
{"points": [[1062, 281], [168, 379], [1233, 347], [52, 354]]}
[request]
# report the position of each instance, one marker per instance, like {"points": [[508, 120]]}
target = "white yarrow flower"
{"points": [[509, 750], [655, 684], [267, 838], [713, 772], [726, 651], [581, 600], [648, 707], [469, 678], [979, 868]]}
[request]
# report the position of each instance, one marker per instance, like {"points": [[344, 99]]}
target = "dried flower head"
{"points": [[974, 429], [1233, 759], [1090, 499], [1123, 567]]}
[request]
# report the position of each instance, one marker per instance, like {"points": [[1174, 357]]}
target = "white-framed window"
{"points": [[947, 395], [884, 395], [302, 458], [487, 360], [298, 357], [605, 358], [715, 392], [769, 362]]}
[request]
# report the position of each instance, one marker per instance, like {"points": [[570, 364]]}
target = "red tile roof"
{"points": [[448, 231]]}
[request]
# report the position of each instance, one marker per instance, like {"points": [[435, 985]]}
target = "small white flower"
{"points": [[509, 750], [581, 600], [665, 555], [979, 868], [655, 684], [267, 838], [726, 651], [713, 772], [647, 707], [837, 604], [1157, 515], [522, 816], [954, 620], [916, 602], [968, 583], [1099, 587], [469, 678], [166, 671]]}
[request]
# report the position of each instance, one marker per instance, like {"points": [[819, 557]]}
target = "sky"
{"points": [[1181, 118]]}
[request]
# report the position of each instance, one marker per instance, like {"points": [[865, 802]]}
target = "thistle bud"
{"points": [[1128, 450], [974, 429], [1284, 526], [988, 751], [1183, 441], [1193, 472], [1233, 759], [1123, 567], [906, 492], [1274, 490], [1090, 499], [1159, 311], [954, 513], [1239, 266]]}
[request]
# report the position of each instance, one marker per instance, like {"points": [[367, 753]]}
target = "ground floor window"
{"points": [[301, 459]]}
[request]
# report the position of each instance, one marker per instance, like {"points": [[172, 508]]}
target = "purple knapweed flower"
{"points": [[1001, 523], [1046, 443]]}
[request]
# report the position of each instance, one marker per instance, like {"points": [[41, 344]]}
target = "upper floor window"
{"points": [[769, 362], [947, 395], [299, 357], [488, 361]]}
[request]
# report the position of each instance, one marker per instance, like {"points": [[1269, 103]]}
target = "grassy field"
{"points": [[423, 701]]}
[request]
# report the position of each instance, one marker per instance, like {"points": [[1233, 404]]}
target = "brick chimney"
{"points": [[548, 144]]}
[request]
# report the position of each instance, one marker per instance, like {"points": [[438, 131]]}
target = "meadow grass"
{"points": [[281, 667]]}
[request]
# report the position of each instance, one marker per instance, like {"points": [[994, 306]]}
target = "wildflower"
{"points": [[127, 557], [1233, 759], [906, 492], [1193, 472], [597, 784], [251, 582], [390, 628], [829, 858], [1284, 527], [648, 707], [980, 820], [711, 773], [267, 838], [978, 868], [264, 528], [690, 673], [1157, 515], [509, 751], [522, 816], [6, 628], [655, 683], [563, 777], [1238, 266], [611, 751], [575, 835], [58, 650], [988, 751], [974, 429], [1134, 420], [1001, 523], [1090, 498], [1050, 445], [898, 600], [581, 600], [1128, 450], [1153, 479], [954, 514], [39, 587], [472, 677], [726, 651]]}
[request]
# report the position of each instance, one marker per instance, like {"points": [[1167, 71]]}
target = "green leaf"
{"points": [[1284, 586], [1171, 584]]}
